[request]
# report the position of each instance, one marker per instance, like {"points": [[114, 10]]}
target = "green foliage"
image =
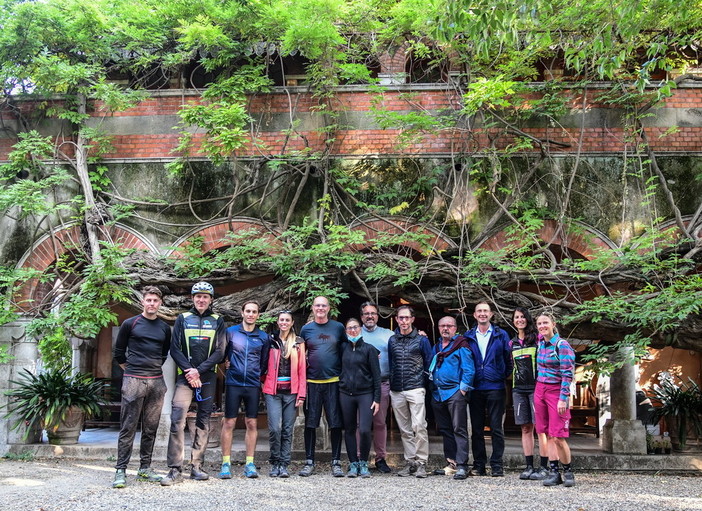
{"points": [[681, 402], [45, 399], [83, 312], [25, 455]]}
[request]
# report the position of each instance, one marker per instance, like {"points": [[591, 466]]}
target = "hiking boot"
{"points": [[363, 469], [173, 477], [421, 471], [353, 470], [448, 470], [308, 469], [477, 471], [553, 478], [148, 474], [198, 474], [539, 474], [460, 474], [409, 469], [250, 471], [275, 471], [226, 471], [283, 472], [568, 479], [526, 473], [336, 469], [120, 480], [382, 466]]}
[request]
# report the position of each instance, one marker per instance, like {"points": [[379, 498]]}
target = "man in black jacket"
{"points": [[141, 349], [197, 347]]}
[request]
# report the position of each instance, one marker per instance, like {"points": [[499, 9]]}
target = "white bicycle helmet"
{"points": [[203, 287]]}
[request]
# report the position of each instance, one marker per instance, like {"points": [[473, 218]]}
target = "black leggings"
{"points": [[353, 409]]}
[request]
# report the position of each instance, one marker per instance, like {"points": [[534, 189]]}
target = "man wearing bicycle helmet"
{"points": [[197, 346]]}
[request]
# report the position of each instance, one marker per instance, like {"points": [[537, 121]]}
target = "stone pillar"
{"points": [[164, 426], [24, 355], [623, 434]]}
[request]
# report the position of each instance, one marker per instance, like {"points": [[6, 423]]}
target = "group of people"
{"points": [[353, 373]]}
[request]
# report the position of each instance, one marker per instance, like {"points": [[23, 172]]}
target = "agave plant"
{"points": [[45, 399], [682, 403]]}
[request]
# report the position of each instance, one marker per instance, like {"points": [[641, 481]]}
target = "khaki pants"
{"points": [[410, 413]]}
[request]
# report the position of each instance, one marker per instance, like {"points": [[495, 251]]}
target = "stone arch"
{"points": [[49, 247], [585, 242], [214, 234], [371, 227]]}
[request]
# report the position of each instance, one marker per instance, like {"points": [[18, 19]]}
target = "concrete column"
{"points": [[24, 355], [623, 434], [164, 426]]}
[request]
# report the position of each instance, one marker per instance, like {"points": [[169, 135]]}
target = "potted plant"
{"points": [[681, 406], [56, 401]]}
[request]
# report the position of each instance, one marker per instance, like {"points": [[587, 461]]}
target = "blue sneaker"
{"points": [[226, 472], [250, 471]]}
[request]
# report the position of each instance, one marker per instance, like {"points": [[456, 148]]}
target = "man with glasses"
{"points": [[197, 346], [452, 372], [246, 360], [409, 356], [378, 337], [323, 338]]}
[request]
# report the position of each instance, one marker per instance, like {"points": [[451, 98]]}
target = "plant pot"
{"points": [[667, 450], [693, 443], [68, 430], [658, 450]]}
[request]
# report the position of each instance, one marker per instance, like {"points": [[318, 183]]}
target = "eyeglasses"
{"points": [[356, 327], [447, 326], [369, 314], [402, 318]]}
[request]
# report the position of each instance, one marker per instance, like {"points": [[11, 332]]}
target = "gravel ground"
{"points": [[55, 485]]}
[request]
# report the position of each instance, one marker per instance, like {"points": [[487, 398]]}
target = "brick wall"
{"points": [[603, 132]]}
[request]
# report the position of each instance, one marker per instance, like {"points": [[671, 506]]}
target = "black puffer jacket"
{"points": [[409, 355]]}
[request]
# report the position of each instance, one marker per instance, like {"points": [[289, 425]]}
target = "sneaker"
{"points": [[353, 469], [336, 469], [283, 472], [460, 474], [553, 478], [477, 471], [226, 471], [363, 469], [448, 470], [120, 480], [250, 471], [526, 473], [173, 477], [409, 469], [382, 466], [497, 472], [198, 474], [308, 469], [148, 474], [539, 474], [275, 470], [421, 471], [568, 479]]}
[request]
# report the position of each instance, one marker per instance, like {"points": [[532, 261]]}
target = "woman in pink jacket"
{"points": [[284, 389]]}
